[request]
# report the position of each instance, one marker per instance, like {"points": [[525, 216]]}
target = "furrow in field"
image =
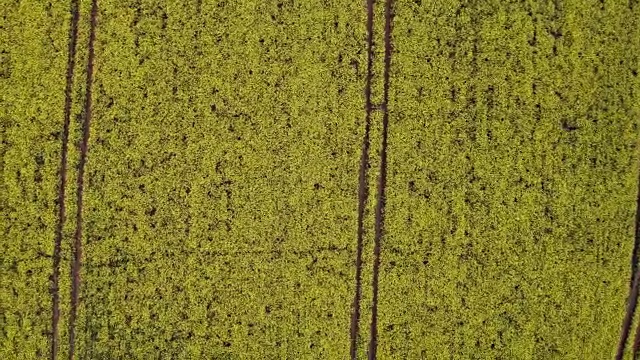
{"points": [[636, 243], [379, 220], [632, 298], [73, 35], [363, 190], [84, 148], [636, 343], [628, 318]]}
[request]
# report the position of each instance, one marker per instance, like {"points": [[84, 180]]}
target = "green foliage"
{"points": [[221, 202], [510, 220], [32, 72], [222, 179]]}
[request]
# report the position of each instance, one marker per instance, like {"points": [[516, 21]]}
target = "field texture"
{"points": [[319, 179], [512, 179]]}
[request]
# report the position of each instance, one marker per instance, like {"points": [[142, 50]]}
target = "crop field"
{"points": [[319, 179]]}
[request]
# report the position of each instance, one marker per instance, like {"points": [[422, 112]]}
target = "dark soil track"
{"points": [[71, 62], [363, 191], [636, 343], [633, 292], [379, 225], [628, 319], [636, 244], [77, 251]]}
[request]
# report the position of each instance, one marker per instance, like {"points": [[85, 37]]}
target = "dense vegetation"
{"points": [[221, 199], [221, 187], [513, 179], [33, 55]]}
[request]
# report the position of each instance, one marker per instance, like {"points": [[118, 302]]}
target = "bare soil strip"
{"points": [[363, 191], [633, 292], [379, 225], [55, 297], [636, 343], [628, 318], [77, 253], [636, 244]]}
